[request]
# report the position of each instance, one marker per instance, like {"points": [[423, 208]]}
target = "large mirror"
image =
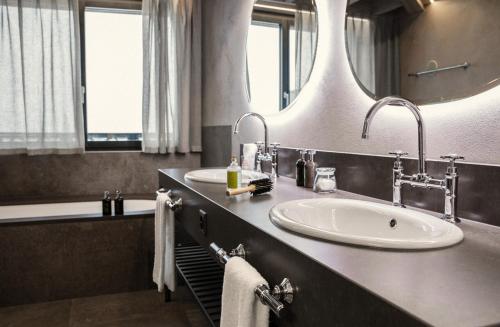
{"points": [[423, 50], [281, 47]]}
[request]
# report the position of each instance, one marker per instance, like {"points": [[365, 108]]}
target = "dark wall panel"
{"points": [[216, 146], [51, 261], [28, 177]]}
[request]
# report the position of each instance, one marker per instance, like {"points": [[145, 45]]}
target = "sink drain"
{"points": [[393, 222]]}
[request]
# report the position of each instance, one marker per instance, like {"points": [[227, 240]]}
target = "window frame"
{"points": [[104, 6], [285, 22]]}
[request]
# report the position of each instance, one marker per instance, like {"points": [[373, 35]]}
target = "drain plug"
{"points": [[393, 222]]}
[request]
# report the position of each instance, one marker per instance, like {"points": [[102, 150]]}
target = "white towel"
{"points": [[249, 152], [240, 306], [164, 261]]}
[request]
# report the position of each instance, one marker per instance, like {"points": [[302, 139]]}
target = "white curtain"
{"points": [[40, 97], [305, 43], [360, 38], [172, 76]]}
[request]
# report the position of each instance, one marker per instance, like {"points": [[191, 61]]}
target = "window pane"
{"points": [[113, 56], [263, 55]]}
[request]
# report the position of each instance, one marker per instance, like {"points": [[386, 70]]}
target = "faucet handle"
{"points": [[260, 146], [275, 144], [399, 154], [451, 157]]}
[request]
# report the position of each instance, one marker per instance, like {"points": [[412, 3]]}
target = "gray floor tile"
{"points": [[144, 309], [53, 314]]}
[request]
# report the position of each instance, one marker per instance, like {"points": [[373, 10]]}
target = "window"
{"points": [[270, 59], [112, 59]]}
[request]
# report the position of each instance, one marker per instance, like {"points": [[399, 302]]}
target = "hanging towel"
{"points": [[164, 260], [240, 306], [249, 152]]}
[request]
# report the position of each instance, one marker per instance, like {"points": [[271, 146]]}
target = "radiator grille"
{"points": [[204, 278]]}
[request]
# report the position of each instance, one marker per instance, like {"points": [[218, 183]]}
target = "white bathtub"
{"points": [[46, 211]]}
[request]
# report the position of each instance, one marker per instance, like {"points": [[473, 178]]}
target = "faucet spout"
{"points": [[397, 101], [261, 118]]}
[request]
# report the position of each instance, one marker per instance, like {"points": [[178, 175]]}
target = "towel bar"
{"points": [[465, 65], [171, 204], [284, 291]]}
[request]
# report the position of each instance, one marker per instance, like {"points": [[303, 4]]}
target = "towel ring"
{"points": [[170, 203], [282, 292]]}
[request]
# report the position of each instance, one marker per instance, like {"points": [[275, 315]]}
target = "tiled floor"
{"points": [[145, 308]]}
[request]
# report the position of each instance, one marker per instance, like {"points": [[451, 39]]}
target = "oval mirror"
{"points": [[427, 51], [281, 47]]}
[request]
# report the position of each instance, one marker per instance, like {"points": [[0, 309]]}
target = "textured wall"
{"points": [[329, 112], [24, 176]]}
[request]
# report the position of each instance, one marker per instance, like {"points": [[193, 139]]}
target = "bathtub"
{"points": [[56, 251], [69, 210]]}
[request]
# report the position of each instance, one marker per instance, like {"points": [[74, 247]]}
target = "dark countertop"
{"points": [[455, 286]]}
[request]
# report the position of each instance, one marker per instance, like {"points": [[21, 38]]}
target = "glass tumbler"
{"points": [[325, 181]]}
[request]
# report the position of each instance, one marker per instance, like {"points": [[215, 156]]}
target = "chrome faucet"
{"points": [[449, 184], [422, 171], [263, 154]]}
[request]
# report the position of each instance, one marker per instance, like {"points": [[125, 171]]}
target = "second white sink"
{"points": [[365, 223], [219, 176]]}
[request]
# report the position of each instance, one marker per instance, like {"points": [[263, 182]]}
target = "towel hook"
{"points": [[170, 203], [282, 292]]}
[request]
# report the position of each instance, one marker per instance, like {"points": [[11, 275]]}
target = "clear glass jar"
{"points": [[325, 181]]}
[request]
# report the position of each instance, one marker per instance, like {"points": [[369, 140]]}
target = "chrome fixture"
{"points": [[449, 184], [263, 154], [422, 173], [170, 203], [223, 256], [465, 65], [282, 292]]}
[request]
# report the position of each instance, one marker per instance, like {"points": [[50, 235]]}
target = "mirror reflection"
{"points": [[281, 47], [425, 51]]}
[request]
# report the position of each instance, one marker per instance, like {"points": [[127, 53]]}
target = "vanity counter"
{"points": [[455, 286]]}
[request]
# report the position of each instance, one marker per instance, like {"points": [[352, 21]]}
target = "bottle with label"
{"points": [[310, 169], [118, 203], [300, 168], [233, 174], [106, 204]]}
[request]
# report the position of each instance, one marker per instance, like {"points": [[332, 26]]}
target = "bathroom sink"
{"points": [[219, 176], [365, 223]]}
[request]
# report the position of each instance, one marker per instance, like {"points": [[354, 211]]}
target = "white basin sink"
{"points": [[365, 223], [219, 176]]}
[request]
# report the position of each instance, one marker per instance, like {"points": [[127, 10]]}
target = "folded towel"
{"points": [[240, 306], [249, 152], [164, 260]]}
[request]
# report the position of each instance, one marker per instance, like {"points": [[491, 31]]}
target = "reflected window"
{"points": [[264, 66], [281, 46]]}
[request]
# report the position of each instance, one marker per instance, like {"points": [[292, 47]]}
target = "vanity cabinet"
{"points": [[322, 296]]}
